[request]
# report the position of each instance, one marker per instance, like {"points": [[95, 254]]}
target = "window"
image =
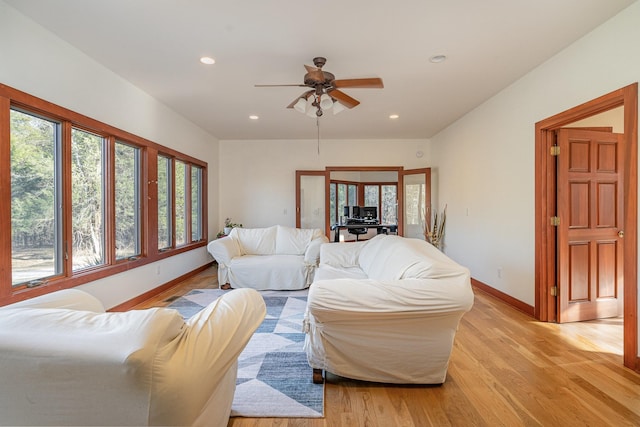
{"points": [[352, 194], [341, 194], [389, 201], [196, 204], [36, 240], [80, 196], [342, 198], [333, 213], [181, 203], [87, 205], [372, 195], [127, 200], [165, 224], [385, 198]]}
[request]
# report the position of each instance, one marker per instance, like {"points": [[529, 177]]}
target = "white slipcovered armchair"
{"points": [[275, 258], [64, 361]]}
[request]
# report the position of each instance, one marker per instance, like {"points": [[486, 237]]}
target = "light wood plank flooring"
{"points": [[506, 370]]}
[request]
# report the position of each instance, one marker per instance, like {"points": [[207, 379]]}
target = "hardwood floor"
{"points": [[506, 370]]}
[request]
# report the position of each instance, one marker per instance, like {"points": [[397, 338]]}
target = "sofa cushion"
{"points": [[329, 272], [382, 258], [292, 241], [342, 254], [394, 257], [256, 241], [274, 272]]}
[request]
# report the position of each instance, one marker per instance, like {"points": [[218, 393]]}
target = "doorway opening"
{"points": [[546, 207]]}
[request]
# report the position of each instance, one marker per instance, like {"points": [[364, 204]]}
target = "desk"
{"points": [[380, 228]]}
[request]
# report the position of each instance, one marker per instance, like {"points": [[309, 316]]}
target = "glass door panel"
{"points": [[417, 197], [310, 209]]}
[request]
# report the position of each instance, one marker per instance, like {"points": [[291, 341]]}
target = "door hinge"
{"points": [[555, 150], [555, 221], [554, 291]]}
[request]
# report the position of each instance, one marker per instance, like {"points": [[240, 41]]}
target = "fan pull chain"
{"points": [[318, 126]]}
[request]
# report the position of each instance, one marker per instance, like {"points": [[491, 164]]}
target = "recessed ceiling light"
{"points": [[437, 58], [254, 117], [207, 60], [394, 116]]}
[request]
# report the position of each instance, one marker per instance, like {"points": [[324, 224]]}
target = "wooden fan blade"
{"points": [[304, 95], [311, 69], [343, 98], [372, 83], [295, 84], [314, 75]]}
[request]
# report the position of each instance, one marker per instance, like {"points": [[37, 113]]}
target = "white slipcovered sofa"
{"points": [[275, 258], [385, 310], [64, 361]]}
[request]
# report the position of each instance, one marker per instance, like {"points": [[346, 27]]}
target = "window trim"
{"points": [[11, 98]]}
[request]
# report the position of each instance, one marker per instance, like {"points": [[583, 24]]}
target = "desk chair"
{"points": [[358, 232]]}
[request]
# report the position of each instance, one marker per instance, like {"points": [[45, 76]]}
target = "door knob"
{"points": [[621, 233]]}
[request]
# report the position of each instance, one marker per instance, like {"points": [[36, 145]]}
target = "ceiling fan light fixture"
{"points": [[310, 109], [337, 107], [301, 105], [324, 90], [325, 102]]}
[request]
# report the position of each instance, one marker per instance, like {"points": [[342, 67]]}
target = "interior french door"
{"points": [[413, 201], [311, 207]]}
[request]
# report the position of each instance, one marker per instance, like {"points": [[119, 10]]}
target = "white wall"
{"points": [[35, 61], [486, 159], [257, 178]]}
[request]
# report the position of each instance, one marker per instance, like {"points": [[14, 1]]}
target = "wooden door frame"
{"points": [[545, 208], [329, 169]]}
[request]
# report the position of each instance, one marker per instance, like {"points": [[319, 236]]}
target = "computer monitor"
{"points": [[352, 211], [369, 212]]}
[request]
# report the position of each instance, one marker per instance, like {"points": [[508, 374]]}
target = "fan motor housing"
{"points": [[311, 80]]}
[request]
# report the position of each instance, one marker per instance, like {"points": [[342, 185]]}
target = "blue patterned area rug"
{"points": [[274, 378]]}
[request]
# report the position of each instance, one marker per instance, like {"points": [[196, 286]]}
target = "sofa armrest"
{"points": [[203, 354], [73, 299], [224, 249], [312, 253]]}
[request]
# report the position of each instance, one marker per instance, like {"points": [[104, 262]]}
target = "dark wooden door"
{"points": [[590, 211]]}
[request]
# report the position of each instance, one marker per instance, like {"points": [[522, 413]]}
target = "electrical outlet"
{"points": [[499, 272]]}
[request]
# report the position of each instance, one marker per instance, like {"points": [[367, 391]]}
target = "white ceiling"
{"points": [[156, 44]]}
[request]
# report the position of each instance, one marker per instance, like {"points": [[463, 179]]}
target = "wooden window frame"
{"points": [[149, 150]]}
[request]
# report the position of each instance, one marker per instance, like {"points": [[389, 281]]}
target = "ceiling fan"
{"points": [[325, 89]]}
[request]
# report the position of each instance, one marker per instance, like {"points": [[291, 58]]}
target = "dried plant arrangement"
{"points": [[434, 226]]}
